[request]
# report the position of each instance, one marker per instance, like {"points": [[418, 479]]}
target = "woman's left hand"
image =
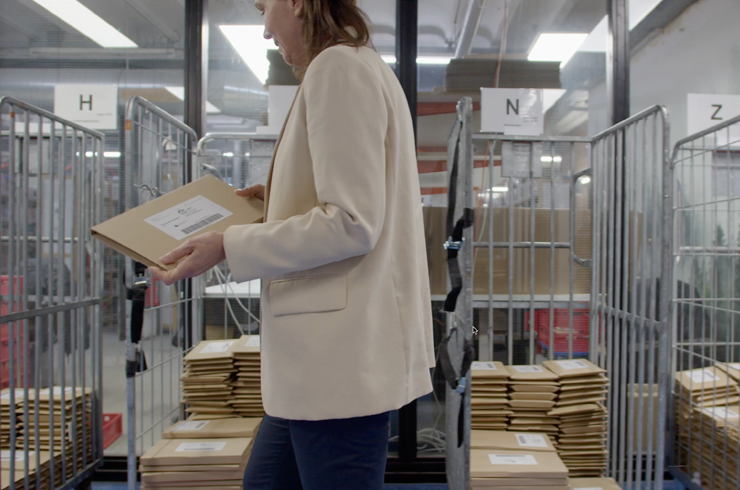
{"points": [[198, 255]]}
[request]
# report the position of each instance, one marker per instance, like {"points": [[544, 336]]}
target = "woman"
{"points": [[346, 316]]}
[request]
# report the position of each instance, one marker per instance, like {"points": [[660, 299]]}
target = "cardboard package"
{"points": [[532, 393], [489, 397], [196, 463], [207, 378], [219, 428], [149, 231], [509, 469], [593, 483], [247, 394], [503, 440]]}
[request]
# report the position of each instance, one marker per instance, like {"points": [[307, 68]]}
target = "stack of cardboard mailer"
{"points": [[713, 439], [64, 426], [489, 396], [594, 483], [157, 471], [708, 420], [533, 393], [512, 461], [39, 470], [196, 464], [582, 412], [247, 397], [5, 410], [207, 379]]}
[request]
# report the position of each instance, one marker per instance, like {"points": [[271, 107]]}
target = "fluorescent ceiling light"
{"points": [[179, 92], [499, 189], [585, 179], [250, 43], [87, 22], [556, 47], [388, 58], [227, 154], [549, 159]]}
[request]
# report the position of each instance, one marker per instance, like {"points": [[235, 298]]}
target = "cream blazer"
{"points": [[346, 313]]}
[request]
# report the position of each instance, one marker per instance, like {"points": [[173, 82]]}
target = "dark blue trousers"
{"points": [[319, 455]]}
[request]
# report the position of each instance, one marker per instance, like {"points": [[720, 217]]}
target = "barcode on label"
{"points": [[528, 369], [483, 366], [190, 426], [531, 440], [200, 446], [201, 224], [507, 459], [568, 365]]}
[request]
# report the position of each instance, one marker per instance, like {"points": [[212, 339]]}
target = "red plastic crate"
{"points": [[112, 428], [561, 330]]}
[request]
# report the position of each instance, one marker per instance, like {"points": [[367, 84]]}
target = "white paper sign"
{"points": [[200, 446], [92, 106], [707, 110], [531, 440], [703, 376], [483, 366], [18, 394], [191, 426], [721, 413], [568, 365], [253, 341], [186, 218], [216, 347], [507, 459], [512, 111], [528, 369]]}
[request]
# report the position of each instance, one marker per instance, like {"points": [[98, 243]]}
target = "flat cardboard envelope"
{"points": [[191, 210], [482, 439], [515, 464]]}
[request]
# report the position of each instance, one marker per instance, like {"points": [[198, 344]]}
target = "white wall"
{"points": [[699, 52]]}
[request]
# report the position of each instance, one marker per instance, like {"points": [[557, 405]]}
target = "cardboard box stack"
{"points": [[489, 396], [247, 397], [532, 394], [37, 474], [594, 483], [581, 409], [196, 464], [732, 369], [207, 379], [218, 428], [708, 419], [515, 461], [5, 427]]}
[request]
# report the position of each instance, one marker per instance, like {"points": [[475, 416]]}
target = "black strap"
{"points": [[137, 295], [455, 233]]}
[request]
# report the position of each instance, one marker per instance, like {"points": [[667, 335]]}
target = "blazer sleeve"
{"points": [[347, 122]]}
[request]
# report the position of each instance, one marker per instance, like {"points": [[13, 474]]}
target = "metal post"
{"points": [[407, 14], [407, 27], [618, 61], [196, 65]]}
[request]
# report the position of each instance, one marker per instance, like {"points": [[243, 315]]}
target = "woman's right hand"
{"points": [[257, 191]]}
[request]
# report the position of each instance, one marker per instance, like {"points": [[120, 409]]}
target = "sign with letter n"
{"points": [[512, 111]]}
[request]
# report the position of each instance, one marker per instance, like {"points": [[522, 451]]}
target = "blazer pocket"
{"points": [[310, 294]]}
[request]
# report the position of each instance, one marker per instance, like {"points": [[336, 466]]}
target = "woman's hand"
{"points": [[257, 191], [198, 255]]}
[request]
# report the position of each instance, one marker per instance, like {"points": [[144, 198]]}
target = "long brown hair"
{"points": [[330, 22]]}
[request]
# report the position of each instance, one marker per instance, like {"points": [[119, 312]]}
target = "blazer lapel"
{"points": [[274, 154]]}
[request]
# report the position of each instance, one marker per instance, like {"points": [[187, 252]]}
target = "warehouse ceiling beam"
{"points": [[471, 22]]}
